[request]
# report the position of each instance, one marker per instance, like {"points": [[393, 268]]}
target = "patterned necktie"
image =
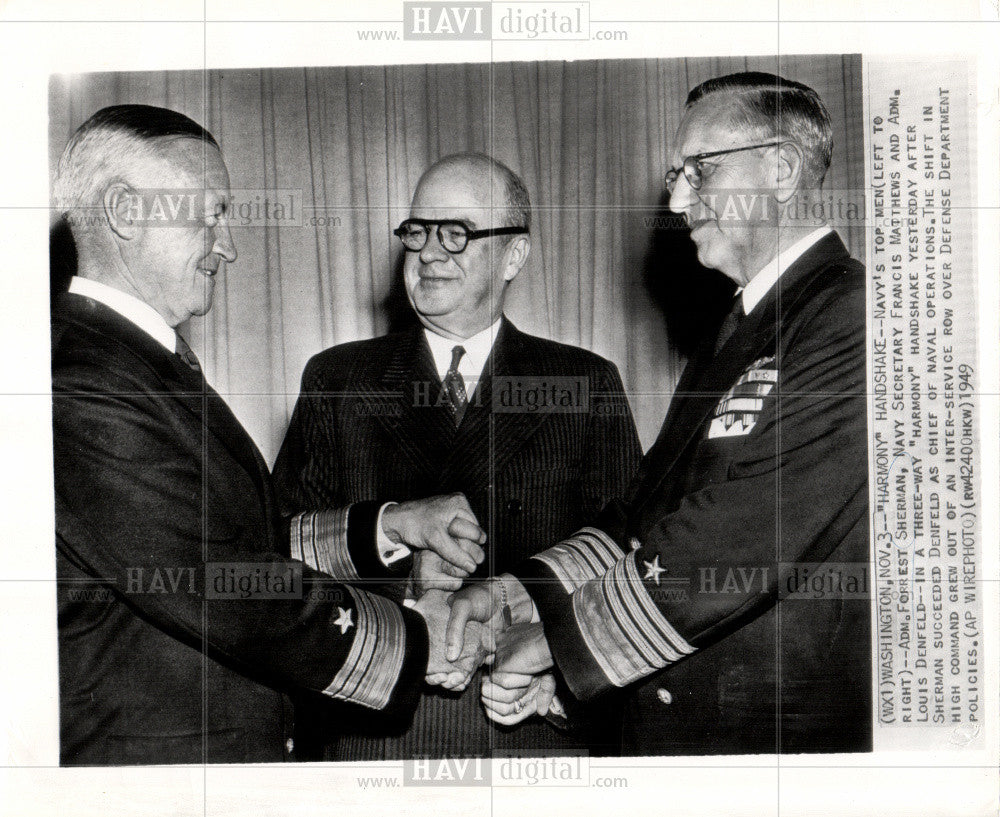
{"points": [[184, 353], [454, 387], [729, 323]]}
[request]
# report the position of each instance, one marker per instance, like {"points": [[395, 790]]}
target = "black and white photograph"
{"points": [[515, 408], [632, 605]]}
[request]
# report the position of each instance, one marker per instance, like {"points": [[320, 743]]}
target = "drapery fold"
{"points": [[591, 140]]}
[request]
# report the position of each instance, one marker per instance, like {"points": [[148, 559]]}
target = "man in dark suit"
{"points": [[692, 591], [185, 607], [537, 434]]}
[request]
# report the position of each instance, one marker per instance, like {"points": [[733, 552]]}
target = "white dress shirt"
{"points": [[470, 366], [754, 292], [129, 307]]}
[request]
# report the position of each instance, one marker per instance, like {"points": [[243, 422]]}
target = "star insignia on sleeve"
{"points": [[344, 619], [653, 569]]}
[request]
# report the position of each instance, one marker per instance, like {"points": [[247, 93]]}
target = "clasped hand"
{"points": [[452, 669], [445, 534], [519, 685], [447, 540]]}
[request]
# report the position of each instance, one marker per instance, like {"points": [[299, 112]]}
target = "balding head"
{"points": [[493, 181], [460, 291]]}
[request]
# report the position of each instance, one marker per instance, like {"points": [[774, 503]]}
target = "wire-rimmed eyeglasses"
{"points": [[692, 168]]}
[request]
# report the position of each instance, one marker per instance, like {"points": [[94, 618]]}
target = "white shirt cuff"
{"points": [[388, 551]]}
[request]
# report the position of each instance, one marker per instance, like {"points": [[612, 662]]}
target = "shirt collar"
{"points": [[129, 307], [757, 288], [477, 350]]}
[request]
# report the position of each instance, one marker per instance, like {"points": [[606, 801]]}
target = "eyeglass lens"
{"points": [[691, 170], [453, 236]]}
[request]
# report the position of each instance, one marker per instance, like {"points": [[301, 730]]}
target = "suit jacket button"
{"points": [[289, 746], [514, 506], [664, 696]]}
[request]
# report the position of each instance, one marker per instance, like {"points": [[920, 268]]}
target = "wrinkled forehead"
{"points": [[706, 126], [461, 193]]}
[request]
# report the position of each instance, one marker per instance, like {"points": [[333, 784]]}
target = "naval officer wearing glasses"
{"points": [[432, 410], [683, 593]]}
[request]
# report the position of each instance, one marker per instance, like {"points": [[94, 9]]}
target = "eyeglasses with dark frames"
{"points": [[692, 165], [454, 236]]}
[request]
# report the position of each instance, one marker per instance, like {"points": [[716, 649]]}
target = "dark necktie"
{"points": [[184, 353], [454, 387], [729, 324]]}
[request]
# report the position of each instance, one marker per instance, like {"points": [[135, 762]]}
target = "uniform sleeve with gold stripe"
{"points": [[585, 556], [343, 543], [373, 672], [603, 627], [340, 542]]}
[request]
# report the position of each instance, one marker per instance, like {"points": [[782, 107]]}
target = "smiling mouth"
{"points": [[436, 279]]}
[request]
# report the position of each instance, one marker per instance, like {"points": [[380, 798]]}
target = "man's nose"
{"points": [[683, 196], [433, 251], [224, 245]]}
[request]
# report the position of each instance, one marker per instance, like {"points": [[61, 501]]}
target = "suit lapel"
{"points": [[707, 379], [189, 387], [704, 382], [406, 400], [224, 426], [216, 418]]}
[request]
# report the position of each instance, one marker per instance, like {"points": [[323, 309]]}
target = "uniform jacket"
{"points": [[682, 593], [369, 425], [161, 502]]}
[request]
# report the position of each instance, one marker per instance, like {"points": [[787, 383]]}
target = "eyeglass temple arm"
{"points": [[497, 231], [736, 150]]}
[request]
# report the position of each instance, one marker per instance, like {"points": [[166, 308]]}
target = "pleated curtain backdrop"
{"points": [[590, 139]]}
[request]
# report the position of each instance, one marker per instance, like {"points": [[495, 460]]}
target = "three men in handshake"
{"points": [[760, 467]]}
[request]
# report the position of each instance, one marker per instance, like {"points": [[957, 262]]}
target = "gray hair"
{"points": [[770, 106], [113, 141]]}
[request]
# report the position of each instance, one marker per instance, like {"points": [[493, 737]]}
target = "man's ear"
{"points": [[517, 255], [123, 210], [789, 171]]}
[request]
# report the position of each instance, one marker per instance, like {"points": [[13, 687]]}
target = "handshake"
{"points": [[485, 623]]}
